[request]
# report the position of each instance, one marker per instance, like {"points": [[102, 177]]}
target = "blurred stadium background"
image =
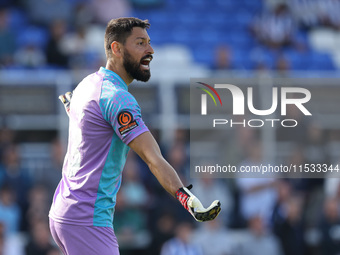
{"points": [[48, 46]]}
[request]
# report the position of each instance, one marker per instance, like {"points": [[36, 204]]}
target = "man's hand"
{"points": [[195, 207], [66, 100]]}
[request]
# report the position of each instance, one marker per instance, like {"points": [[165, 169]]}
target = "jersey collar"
{"points": [[112, 76]]}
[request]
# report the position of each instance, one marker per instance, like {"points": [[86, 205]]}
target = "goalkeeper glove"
{"points": [[195, 207], [66, 100]]}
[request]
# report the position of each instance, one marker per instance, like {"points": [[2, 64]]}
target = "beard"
{"points": [[133, 68]]}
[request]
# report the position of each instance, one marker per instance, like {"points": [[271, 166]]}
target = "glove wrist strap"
{"points": [[183, 195]]}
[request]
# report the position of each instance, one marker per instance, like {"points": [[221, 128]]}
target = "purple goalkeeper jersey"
{"points": [[104, 119]]}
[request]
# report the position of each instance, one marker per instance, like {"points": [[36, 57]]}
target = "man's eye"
{"points": [[140, 43]]}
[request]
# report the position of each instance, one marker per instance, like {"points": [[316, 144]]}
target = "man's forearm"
{"points": [[147, 148], [166, 175]]}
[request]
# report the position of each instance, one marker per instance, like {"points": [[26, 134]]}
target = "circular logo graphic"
{"points": [[124, 118]]}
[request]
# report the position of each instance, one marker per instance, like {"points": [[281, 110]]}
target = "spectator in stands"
{"points": [[329, 13], [315, 13], [315, 149], [39, 204], [17, 177], [315, 152], [182, 243], [10, 244], [305, 12], [53, 251], [162, 232], [297, 134], [222, 58], [282, 66], [10, 213], [134, 193], [275, 29], [239, 142], [330, 222], [76, 46], [55, 54], [299, 183], [51, 176], [178, 158], [259, 240], [130, 216], [74, 41], [7, 40], [332, 183], [6, 138], [181, 136], [256, 189], [2, 238], [82, 14], [214, 238], [29, 56], [39, 242], [287, 220]]}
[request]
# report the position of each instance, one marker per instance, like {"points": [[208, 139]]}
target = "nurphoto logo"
{"points": [[280, 99]]}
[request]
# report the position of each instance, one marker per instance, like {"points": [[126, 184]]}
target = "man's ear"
{"points": [[116, 49]]}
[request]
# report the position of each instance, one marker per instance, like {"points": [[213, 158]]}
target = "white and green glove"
{"points": [[195, 207], [66, 100]]}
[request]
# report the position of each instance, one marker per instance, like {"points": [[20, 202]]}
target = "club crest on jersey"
{"points": [[126, 122]]}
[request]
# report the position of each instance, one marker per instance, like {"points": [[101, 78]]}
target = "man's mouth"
{"points": [[145, 62]]}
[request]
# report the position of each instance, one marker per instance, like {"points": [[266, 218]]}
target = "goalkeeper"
{"points": [[104, 123]]}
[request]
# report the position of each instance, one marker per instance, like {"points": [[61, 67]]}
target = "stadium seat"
{"points": [[183, 35], [297, 60], [241, 60], [204, 55], [321, 61], [17, 20], [226, 4], [33, 35]]}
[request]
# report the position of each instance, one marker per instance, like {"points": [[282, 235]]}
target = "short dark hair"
{"points": [[120, 29]]}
